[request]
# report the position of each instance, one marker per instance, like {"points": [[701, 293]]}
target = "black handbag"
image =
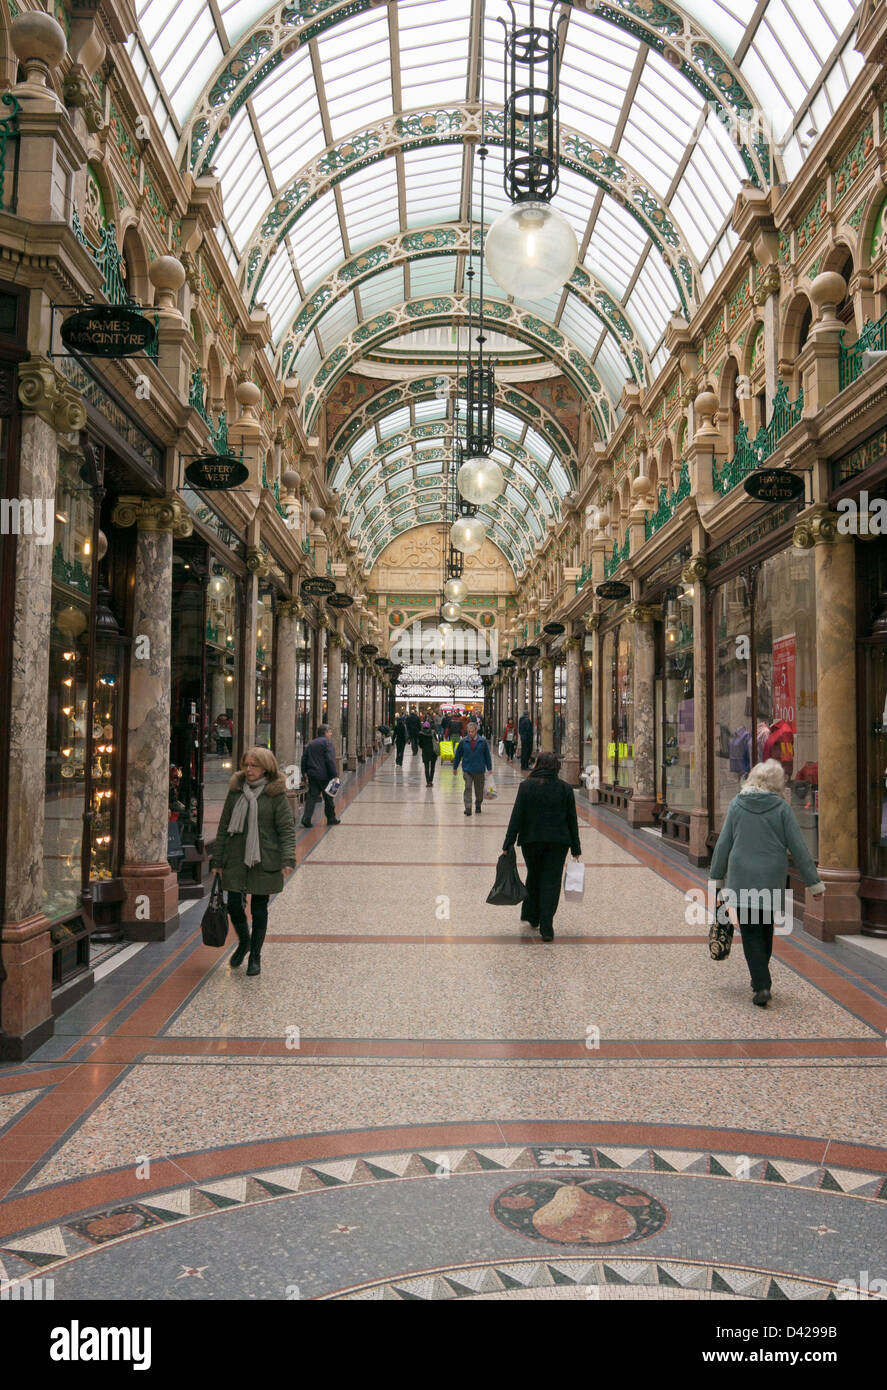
{"points": [[214, 927], [720, 939], [508, 890]]}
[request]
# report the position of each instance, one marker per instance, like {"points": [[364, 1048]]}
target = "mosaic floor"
{"points": [[419, 1099]]}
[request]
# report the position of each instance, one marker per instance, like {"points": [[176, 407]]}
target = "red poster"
{"points": [[784, 706]]}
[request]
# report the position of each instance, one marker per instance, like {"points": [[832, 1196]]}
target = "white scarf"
{"points": [[247, 806]]}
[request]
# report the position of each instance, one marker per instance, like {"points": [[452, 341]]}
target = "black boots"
{"points": [[240, 951], [255, 950]]}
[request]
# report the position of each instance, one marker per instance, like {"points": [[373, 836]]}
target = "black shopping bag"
{"points": [[508, 890], [214, 927]]}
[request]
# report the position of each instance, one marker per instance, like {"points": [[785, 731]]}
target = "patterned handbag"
{"points": [[720, 939]]}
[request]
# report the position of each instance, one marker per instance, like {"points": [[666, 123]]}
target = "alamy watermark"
{"points": [[28, 516], [749, 905]]}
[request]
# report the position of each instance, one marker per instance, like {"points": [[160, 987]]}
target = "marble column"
{"points": [[150, 908], [352, 738], [360, 684], [249, 643], [694, 573], [643, 800], [335, 642], [49, 406], [838, 911], [285, 677], [572, 764], [592, 624], [547, 735]]}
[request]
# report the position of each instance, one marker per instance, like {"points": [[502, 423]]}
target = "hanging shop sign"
{"points": [[507, 664], [774, 485], [339, 601], [108, 330], [368, 649], [613, 588], [554, 629], [216, 472], [382, 662], [317, 587], [531, 652]]}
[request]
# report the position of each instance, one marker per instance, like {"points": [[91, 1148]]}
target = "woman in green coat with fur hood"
{"points": [[255, 848]]}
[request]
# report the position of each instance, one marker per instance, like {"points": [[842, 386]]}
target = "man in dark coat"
{"points": [[414, 726], [400, 738], [525, 730], [319, 766], [544, 823]]}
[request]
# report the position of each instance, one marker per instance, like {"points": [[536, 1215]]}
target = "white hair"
{"points": [[766, 777]]}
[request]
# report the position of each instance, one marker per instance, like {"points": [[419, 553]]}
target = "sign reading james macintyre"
{"points": [[216, 472], [108, 330]]}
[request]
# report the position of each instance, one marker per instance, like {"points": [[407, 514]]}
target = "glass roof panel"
{"points": [[318, 243], [611, 365], [395, 422], [433, 42], [727, 20], [433, 182], [360, 46], [289, 117], [369, 198], [436, 275]]}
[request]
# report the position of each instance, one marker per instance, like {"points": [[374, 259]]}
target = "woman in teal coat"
{"points": [[752, 854], [255, 848]]}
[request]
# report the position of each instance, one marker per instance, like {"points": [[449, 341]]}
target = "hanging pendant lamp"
{"points": [[531, 249]]}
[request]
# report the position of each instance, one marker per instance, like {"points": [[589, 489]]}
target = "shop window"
{"points": [[608, 704], [589, 748], [303, 687], [733, 735], [623, 725], [220, 733], [675, 705], [264, 668], [560, 709]]}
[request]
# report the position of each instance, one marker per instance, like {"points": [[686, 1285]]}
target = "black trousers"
{"points": [[258, 912], [545, 871], [430, 761], [757, 945], [526, 748], [414, 742], [509, 748], [400, 747], [315, 793]]}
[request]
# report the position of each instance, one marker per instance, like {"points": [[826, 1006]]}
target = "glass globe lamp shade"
{"points": [[451, 611], [531, 250], [468, 534], [480, 480], [455, 590], [219, 587]]}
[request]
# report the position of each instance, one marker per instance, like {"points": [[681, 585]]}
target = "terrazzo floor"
{"points": [[612, 1087]]}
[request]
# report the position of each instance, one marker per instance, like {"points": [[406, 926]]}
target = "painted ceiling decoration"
{"points": [[344, 135]]}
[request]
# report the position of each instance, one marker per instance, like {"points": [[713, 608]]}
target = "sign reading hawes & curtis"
{"points": [[108, 330]]}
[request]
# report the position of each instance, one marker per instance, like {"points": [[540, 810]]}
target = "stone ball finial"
{"points": [[167, 275], [317, 515], [290, 479], [248, 394], [641, 488], [706, 410], [827, 292], [38, 42]]}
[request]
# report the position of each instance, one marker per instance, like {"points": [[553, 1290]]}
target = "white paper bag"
{"points": [[332, 786], [501, 748], [574, 881]]}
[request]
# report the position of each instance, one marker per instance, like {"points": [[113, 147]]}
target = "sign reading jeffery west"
{"points": [[216, 472], [108, 330]]}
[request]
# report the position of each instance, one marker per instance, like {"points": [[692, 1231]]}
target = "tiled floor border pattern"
{"points": [[63, 1242]]}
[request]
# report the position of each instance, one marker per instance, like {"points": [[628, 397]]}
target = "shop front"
{"points": [[616, 746]]}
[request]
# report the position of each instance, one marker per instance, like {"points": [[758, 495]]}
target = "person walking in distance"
{"points": [[414, 724], [473, 752], [544, 823], [759, 833], [430, 746], [400, 739], [319, 766], [509, 738], [525, 731], [255, 849]]}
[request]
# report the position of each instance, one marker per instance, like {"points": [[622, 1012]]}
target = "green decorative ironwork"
{"points": [[751, 453], [69, 572], [620, 553], [8, 142], [668, 504], [212, 633], [219, 437], [873, 338], [197, 397]]}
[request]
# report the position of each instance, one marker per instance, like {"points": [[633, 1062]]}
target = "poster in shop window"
{"points": [[784, 706]]}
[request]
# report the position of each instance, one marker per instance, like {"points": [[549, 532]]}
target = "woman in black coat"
{"points": [[543, 822], [430, 746]]}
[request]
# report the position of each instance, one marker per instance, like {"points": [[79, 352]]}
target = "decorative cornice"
{"points": [[819, 528], [695, 570], [572, 644], [45, 392], [644, 612], [167, 514], [769, 283], [592, 622], [290, 608], [256, 562], [335, 640]]}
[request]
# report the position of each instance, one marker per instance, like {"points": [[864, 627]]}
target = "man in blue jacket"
{"points": [[319, 766], [473, 752]]}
